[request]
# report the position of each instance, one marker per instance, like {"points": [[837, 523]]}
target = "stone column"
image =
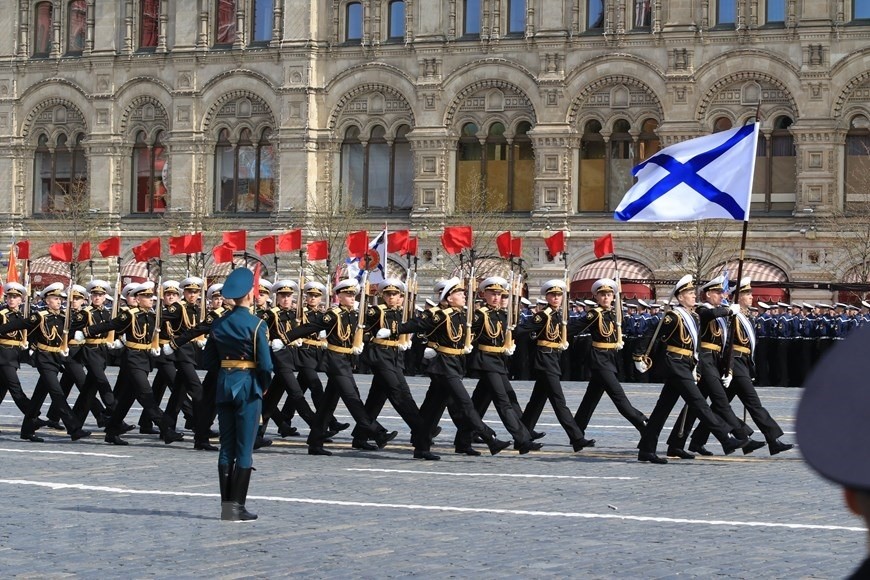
{"points": [[555, 145], [819, 154], [434, 169]]}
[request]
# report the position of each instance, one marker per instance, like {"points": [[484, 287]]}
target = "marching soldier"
{"points": [[680, 332], [45, 333], [545, 326], [603, 361], [339, 324], [741, 383], [384, 354], [137, 325], [165, 364], [238, 348], [12, 343]]}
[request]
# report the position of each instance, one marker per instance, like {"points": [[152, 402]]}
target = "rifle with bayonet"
{"points": [[158, 308]]}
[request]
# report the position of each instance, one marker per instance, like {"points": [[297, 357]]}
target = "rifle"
{"points": [[618, 300], [471, 290], [299, 305], [27, 290], [511, 308], [410, 300], [158, 310], [116, 303], [565, 300], [361, 310], [64, 345]]}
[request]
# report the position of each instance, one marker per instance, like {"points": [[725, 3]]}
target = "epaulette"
{"points": [[133, 310], [381, 307], [447, 311], [335, 310], [275, 310], [548, 310], [4, 312]]}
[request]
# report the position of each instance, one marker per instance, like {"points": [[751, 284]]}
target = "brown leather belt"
{"points": [[238, 364]]}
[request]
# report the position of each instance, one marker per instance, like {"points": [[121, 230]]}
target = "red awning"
{"points": [[45, 271]]}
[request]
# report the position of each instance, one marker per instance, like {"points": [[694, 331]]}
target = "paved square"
{"points": [[150, 510]]}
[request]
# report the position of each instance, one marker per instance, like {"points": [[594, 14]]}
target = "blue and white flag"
{"points": [[704, 178], [376, 260]]}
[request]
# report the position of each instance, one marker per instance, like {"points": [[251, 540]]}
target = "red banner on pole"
{"points": [[237, 240], [61, 252], [291, 241], [187, 244], [84, 252], [222, 254], [318, 250], [357, 244], [556, 243], [110, 247], [147, 250], [456, 238], [265, 246], [603, 246], [398, 241]]}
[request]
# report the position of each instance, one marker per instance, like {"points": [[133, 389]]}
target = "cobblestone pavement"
{"points": [[90, 509]]}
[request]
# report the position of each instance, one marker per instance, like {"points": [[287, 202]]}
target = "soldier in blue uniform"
{"points": [[239, 345]]}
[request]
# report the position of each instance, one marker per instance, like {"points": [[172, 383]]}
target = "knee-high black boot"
{"points": [[225, 472], [241, 477]]}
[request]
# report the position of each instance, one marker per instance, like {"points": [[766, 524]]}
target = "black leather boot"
{"points": [[239, 481], [225, 472]]}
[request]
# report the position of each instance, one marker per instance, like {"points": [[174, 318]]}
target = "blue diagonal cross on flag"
{"points": [[703, 178]]}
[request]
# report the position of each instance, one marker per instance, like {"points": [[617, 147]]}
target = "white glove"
{"points": [[323, 344], [201, 343], [357, 350], [277, 344], [155, 351], [429, 353], [64, 353], [405, 346], [167, 349], [620, 345], [726, 380], [383, 333], [322, 335], [641, 366], [510, 350], [468, 349], [25, 345], [297, 343], [564, 346], [734, 308], [117, 344], [123, 339], [78, 336]]}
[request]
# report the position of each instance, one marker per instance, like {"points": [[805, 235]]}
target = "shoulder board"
{"points": [[88, 308], [4, 311], [548, 310], [382, 307], [275, 310], [483, 309], [42, 313], [133, 310], [335, 310], [447, 311]]}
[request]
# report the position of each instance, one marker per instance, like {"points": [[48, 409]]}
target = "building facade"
{"points": [[161, 117]]}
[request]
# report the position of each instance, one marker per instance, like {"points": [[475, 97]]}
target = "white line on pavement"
{"points": [[521, 475], [580, 515], [64, 453]]}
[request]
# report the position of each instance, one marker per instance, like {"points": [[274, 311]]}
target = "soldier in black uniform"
{"points": [[488, 362], [12, 343], [385, 356], [46, 329], [546, 328], [446, 330], [680, 333], [742, 371], [339, 323], [713, 337], [165, 364], [137, 324], [603, 360], [281, 319]]}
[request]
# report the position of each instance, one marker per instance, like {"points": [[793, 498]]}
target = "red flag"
{"points": [[23, 250], [265, 246], [505, 245], [291, 241], [84, 252], [237, 240], [411, 250], [398, 241], [147, 250], [603, 246], [12, 269], [516, 247], [456, 238], [357, 244], [257, 278], [318, 250], [61, 252], [110, 247], [222, 254], [187, 244], [556, 243]]}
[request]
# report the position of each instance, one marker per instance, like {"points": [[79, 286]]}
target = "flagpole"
{"points": [[618, 299]]}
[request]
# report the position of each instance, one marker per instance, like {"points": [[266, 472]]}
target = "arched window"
{"points": [[495, 194], [642, 14], [396, 21], [379, 174], [775, 183], [857, 164], [595, 15], [593, 156], [722, 124], [149, 17], [622, 159], [60, 178], [225, 23], [76, 29], [150, 171], [516, 16], [245, 172], [261, 23], [469, 177], [523, 174], [42, 32], [353, 21], [648, 143], [471, 18]]}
